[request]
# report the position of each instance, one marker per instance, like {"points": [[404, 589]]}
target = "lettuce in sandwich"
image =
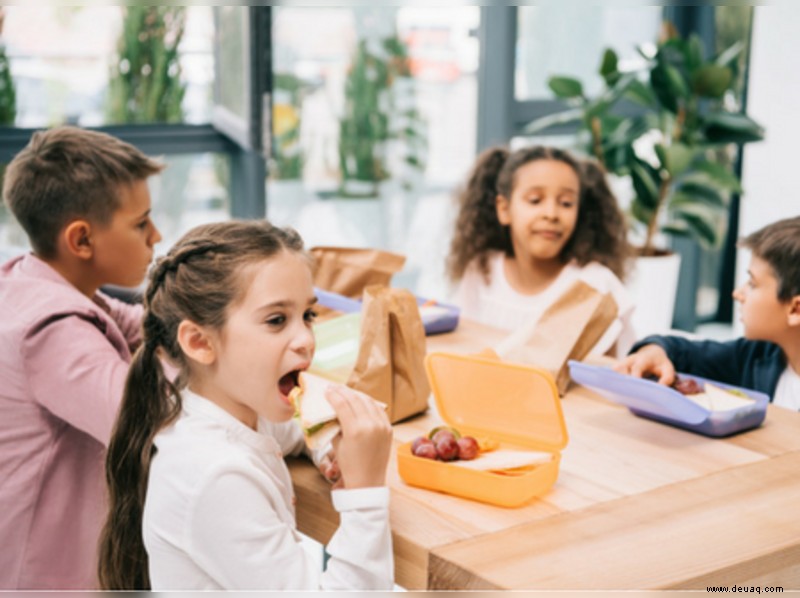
{"points": [[312, 410]]}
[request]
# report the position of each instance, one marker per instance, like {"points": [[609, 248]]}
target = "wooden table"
{"points": [[637, 505]]}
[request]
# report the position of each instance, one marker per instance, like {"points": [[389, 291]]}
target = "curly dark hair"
{"points": [[600, 233]]}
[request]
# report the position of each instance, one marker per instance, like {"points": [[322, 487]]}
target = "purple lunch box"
{"points": [[442, 319], [655, 401]]}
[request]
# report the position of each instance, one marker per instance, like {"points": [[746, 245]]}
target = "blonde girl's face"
{"points": [[763, 315], [266, 341], [542, 211]]}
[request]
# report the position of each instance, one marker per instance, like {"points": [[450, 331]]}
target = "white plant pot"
{"points": [[653, 285]]}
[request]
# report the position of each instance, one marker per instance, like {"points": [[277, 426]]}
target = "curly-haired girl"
{"points": [[531, 223]]}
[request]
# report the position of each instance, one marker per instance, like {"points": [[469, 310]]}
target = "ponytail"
{"points": [[150, 401], [477, 229]]}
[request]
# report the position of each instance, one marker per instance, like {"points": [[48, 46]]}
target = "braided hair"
{"points": [[600, 232], [197, 280]]}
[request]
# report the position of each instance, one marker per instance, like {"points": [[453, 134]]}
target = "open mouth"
{"points": [[288, 382]]}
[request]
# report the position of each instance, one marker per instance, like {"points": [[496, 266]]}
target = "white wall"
{"points": [[771, 169]]}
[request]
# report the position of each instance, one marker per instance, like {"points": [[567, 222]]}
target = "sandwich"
{"points": [[312, 410], [715, 398]]}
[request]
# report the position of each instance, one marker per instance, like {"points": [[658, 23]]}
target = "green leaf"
{"points": [[676, 82], [661, 152], [641, 213], [551, 120], [679, 157], [676, 229], [730, 127], [566, 87], [596, 108], [691, 193], [640, 93], [731, 55], [645, 183], [617, 158], [694, 52], [721, 175], [672, 52], [608, 67], [659, 81], [699, 222], [712, 80], [623, 131]]}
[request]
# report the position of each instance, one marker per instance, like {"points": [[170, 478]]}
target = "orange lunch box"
{"points": [[512, 404]]}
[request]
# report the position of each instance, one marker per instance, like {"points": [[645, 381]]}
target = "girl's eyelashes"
{"points": [[276, 321], [566, 201]]}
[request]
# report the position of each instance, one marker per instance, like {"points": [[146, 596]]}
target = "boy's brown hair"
{"points": [[66, 173], [778, 244]]}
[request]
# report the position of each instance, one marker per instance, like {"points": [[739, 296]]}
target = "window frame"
{"points": [[248, 166]]}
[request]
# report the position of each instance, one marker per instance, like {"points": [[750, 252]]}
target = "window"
{"points": [[554, 40], [82, 64], [374, 113], [143, 74], [717, 267]]}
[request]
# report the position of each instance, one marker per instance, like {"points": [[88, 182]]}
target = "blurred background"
{"points": [[357, 125]]}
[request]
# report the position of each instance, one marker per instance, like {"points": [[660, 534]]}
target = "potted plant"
{"points": [[288, 156], [675, 147], [145, 84], [288, 159], [8, 93], [379, 111]]}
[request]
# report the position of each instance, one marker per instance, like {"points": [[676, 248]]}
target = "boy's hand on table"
{"points": [[649, 360]]}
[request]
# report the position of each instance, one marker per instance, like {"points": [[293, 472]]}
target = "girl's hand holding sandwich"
{"points": [[363, 446]]}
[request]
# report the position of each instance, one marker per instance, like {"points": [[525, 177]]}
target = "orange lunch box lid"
{"points": [[480, 395]]}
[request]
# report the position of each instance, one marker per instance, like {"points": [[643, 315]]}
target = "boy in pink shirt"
{"points": [[82, 198]]}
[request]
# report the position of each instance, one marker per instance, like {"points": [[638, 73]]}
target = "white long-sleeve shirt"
{"points": [[219, 512], [498, 304]]}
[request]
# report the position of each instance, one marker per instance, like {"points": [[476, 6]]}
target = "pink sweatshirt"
{"points": [[63, 363]]}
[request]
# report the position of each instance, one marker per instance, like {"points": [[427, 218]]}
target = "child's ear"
{"points": [[78, 238], [794, 311], [196, 343], [502, 205]]}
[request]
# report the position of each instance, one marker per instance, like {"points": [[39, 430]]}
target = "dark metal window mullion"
{"points": [[498, 36]]}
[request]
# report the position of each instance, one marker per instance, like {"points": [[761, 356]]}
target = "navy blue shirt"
{"points": [[756, 365]]}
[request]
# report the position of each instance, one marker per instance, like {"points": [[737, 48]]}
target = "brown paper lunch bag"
{"points": [[568, 329], [390, 363]]}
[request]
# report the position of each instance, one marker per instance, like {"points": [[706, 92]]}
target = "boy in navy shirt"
{"points": [[767, 359]]}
